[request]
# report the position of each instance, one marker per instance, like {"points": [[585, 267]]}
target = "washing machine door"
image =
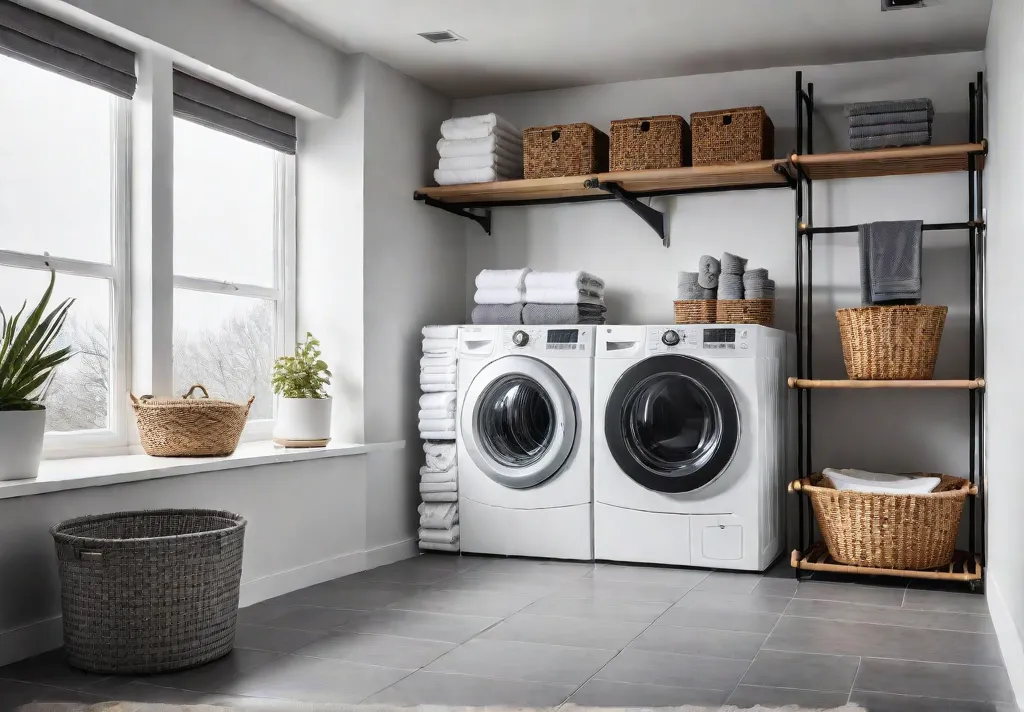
{"points": [[519, 421], [672, 424]]}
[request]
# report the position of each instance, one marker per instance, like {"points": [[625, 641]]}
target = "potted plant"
{"points": [[27, 364], [304, 408]]}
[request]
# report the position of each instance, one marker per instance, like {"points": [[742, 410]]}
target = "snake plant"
{"points": [[27, 359]]}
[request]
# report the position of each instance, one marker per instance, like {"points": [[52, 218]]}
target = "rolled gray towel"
{"points": [[888, 129], [711, 294], [889, 106], [687, 278], [730, 286], [760, 274], [733, 264], [915, 138], [687, 292], [708, 272], [895, 117]]}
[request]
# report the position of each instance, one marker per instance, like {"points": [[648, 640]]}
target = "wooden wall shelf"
{"points": [[912, 160], [970, 384]]}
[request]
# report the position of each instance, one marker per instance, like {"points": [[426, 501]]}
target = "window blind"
{"points": [[51, 44], [217, 108]]}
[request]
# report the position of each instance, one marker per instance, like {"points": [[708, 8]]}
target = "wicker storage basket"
{"points": [[695, 311], [889, 531], [732, 136], [891, 343], [189, 427], [566, 150], [745, 311], [649, 142], [149, 591]]}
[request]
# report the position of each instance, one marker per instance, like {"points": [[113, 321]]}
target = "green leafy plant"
{"points": [[303, 375], [27, 362]]}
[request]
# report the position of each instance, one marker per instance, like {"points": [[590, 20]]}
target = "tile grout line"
{"points": [[740, 680], [853, 685]]}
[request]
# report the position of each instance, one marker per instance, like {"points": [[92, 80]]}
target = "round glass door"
{"points": [[672, 424], [518, 422]]}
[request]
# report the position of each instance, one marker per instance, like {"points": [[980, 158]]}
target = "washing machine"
{"points": [[523, 433], [689, 445]]}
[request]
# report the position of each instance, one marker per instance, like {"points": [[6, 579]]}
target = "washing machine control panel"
{"points": [[549, 341], [726, 340]]}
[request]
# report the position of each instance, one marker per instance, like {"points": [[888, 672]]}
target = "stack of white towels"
{"points": [[479, 149], [564, 298], [500, 296], [439, 481]]}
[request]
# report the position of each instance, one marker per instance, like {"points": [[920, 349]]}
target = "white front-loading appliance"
{"points": [[689, 445], [523, 432]]}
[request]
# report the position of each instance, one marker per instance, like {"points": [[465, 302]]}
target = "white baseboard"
{"points": [[1010, 643], [390, 553], [282, 582], [31, 639]]}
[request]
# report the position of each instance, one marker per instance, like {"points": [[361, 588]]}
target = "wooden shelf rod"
{"points": [[808, 230], [969, 384]]}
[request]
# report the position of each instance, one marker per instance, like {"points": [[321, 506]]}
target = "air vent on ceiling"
{"points": [[902, 4], [442, 36]]}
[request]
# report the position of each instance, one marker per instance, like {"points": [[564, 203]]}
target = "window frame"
{"points": [[115, 435]]}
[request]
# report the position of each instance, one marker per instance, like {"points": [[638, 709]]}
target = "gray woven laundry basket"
{"points": [[149, 591]]}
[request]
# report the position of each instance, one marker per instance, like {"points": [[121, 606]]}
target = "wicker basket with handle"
{"points": [[891, 343], [732, 136], [889, 531], [149, 591], [189, 427], [564, 150], [649, 142]]}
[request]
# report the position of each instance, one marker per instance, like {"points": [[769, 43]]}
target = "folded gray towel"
{"points": [[889, 129], [890, 262], [732, 264], [730, 286], [889, 106], [917, 138], [564, 314], [895, 117], [708, 273], [498, 314], [759, 274], [687, 278]]}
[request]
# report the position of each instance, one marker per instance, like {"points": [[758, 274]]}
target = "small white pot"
{"points": [[21, 443], [303, 419]]}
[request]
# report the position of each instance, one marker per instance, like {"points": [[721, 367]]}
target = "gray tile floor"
{"points": [[477, 631]]}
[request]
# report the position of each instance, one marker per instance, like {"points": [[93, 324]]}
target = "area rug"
{"points": [[282, 706]]}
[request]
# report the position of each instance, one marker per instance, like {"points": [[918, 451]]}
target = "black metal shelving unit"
{"points": [[967, 566]]}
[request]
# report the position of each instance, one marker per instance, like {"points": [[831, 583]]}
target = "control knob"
{"points": [[520, 338], [670, 338]]}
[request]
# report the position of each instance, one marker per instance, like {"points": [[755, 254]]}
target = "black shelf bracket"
{"points": [[784, 170], [654, 218], [483, 221]]}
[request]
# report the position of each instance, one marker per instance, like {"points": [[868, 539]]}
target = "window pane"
{"points": [[79, 395], [223, 206], [227, 344], [55, 164]]}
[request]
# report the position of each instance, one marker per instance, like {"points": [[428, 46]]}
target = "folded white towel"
{"points": [[437, 387], [477, 127], [439, 536], [439, 496], [914, 485], [505, 165], [438, 435], [563, 295], [439, 369], [427, 378], [496, 295], [446, 359], [497, 142], [441, 347], [438, 515], [502, 278], [439, 487], [444, 401], [440, 332], [432, 477], [437, 546], [437, 424], [434, 414], [874, 476], [440, 456], [471, 175], [565, 280]]}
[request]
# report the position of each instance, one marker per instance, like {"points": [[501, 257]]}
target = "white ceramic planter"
{"points": [[21, 443], [303, 419]]}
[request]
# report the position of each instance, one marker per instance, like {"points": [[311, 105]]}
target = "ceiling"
{"points": [[526, 45]]}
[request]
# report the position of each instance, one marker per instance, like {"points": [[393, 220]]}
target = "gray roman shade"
{"points": [[223, 110], [51, 44]]}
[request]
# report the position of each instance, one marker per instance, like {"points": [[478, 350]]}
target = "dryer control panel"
{"points": [[548, 341], [694, 339]]}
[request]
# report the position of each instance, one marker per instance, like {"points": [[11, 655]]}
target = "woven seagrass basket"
{"points": [[564, 150], [732, 136], [189, 427], [891, 343], [694, 311], [745, 311], [649, 142]]}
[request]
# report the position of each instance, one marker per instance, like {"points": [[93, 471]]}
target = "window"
{"points": [[63, 205]]}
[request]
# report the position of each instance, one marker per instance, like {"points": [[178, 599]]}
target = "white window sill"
{"points": [[79, 472]]}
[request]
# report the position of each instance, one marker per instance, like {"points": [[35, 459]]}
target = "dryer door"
{"points": [[518, 421], [672, 424]]}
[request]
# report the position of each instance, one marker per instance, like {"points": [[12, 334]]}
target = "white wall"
{"points": [[1004, 183], [926, 431], [308, 523]]}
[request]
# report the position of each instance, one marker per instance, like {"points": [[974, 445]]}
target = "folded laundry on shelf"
{"points": [[470, 127], [501, 144], [436, 546], [906, 485], [922, 116], [573, 280], [470, 175], [440, 401], [563, 295], [442, 424], [437, 387], [893, 140], [438, 487], [505, 166], [438, 359], [435, 413], [432, 477], [426, 378], [439, 536], [564, 314], [439, 370], [439, 496], [440, 332], [866, 474], [438, 515], [443, 347], [497, 313], [890, 106], [502, 278], [498, 295], [886, 129], [439, 456]]}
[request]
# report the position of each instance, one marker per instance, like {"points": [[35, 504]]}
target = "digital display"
{"points": [[719, 336], [563, 336]]}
